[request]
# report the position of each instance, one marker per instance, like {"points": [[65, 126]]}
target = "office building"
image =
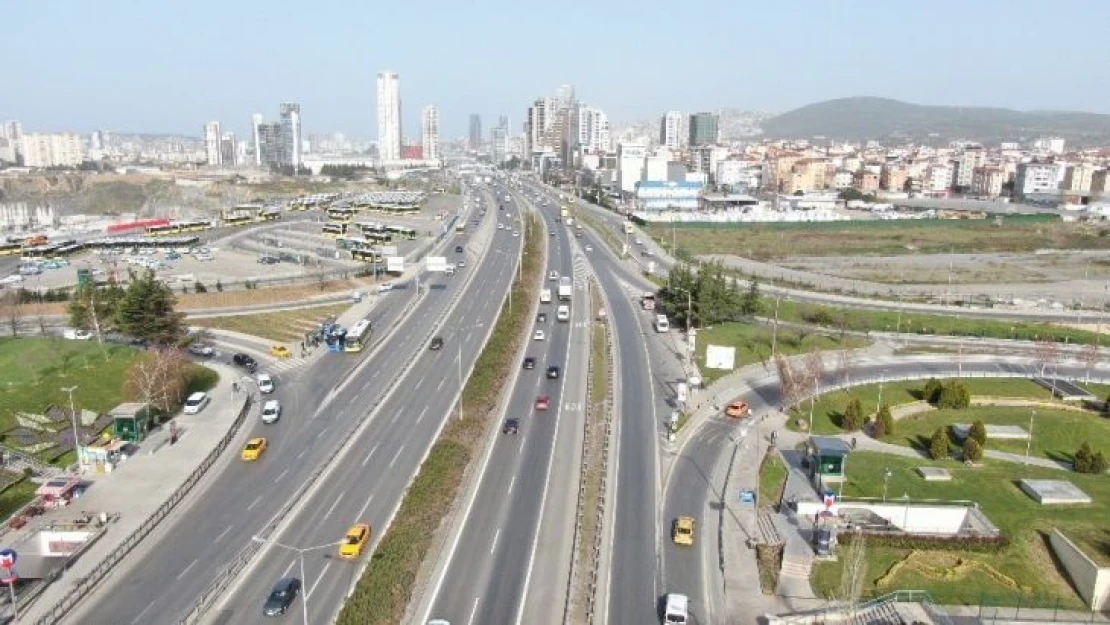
{"points": [[703, 129], [269, 141], [389, 116], [475, 131], [256, 121], [12, 130], [429, 132], [499, 145], [228, 149], [669, 128], [630, 166], [52, 150], [1035, 178], [564, 96], [291, 147], [212, 143]]}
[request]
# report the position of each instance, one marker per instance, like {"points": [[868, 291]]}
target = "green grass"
{"points": [[829, 407], [16, 496], [753, 344], [1057, 433], [591, 476], [287, 326], [1025, 568], [772, 478]]}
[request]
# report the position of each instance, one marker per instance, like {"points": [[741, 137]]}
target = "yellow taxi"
{"points": [[683, 531], [280, 351], [254, 449], [355, 541]]}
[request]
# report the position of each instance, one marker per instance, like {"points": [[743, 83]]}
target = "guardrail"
{"points": [[86, 584]]}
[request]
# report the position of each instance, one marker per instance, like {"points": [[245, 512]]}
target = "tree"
{"points": [[978, 432], [750, 303], [973, 450], [159, 379], [846, 364], [94, 308], [884, 423], [932, 390], [953, 395], [938, 445], [199, 287], [146, 311], [854, 573], [853, 415], [1047, 355], [13, 311]]}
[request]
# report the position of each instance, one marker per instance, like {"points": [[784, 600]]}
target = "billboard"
{"points": [[720, 357], [395, 264], [437, 264]]}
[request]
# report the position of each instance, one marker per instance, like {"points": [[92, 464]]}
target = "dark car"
{"points": [[269, 260], [512, 426], [529, 363], [245, 361], [553, 372], [458, 249], [282, 596], [437, 343], [541, 318]]}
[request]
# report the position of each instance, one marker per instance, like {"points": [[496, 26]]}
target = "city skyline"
{"points": [[968, 62]]}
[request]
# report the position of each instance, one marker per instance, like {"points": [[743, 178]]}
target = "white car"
{"points": [[200, 349], [271, 411], [539, 335], [77, 335], [500, 226], [385, 287], [553, 276], [265, 383], [589, 248], [196, 402], [462, 263], [516, 233]]}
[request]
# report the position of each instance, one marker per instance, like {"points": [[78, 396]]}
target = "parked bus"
{"points": [[401, 232], [334, 231], [270, 214], [35, 240], [10, 248], [342, 215], [367, 255], [370, 226], [358, 337], [460, 225], [238, 220], [377, 237], [160, 231]]}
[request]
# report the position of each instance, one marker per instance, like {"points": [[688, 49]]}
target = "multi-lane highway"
{"points": [[321, 404], [502, 568]]}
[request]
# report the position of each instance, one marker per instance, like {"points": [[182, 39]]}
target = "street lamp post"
{"points": [[1029, 441], [886, 478], [73, 420], [300, 551], [689, 314], [879, 405]]}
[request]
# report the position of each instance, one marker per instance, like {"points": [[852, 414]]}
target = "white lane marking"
{"points": [[254, 503], [420, 382], [496, 535], [395, 456], [512, 483], [285, 573], [332, 508], [372, 450], [364, 507], [319, 578], [321, 432], [468, 335], [301, 454], [441, 381], [375, 374], [281, 475], [223, 533], [473, 611], [422, 413], [184, 572], [139, 618]]}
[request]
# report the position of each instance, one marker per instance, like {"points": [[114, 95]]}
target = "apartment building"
{"points": [[893, 178], [1077, 178], [988, 181], [212, 138], [1100, 181], [669, 128], [429, 132], [867, 181], [52, 150], [807, 174], [1036, 178]]}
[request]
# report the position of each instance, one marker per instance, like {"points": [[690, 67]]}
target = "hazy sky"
{"points": [[171, 66]]}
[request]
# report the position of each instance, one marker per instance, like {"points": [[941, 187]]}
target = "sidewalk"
{"points": [[138, 488]]}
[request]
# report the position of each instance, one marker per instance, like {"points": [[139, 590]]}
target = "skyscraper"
{"points": [[503, 122], [669, 128], [227, 150], [256, 121], [271, 150], [475, 131], [564, 95], [291, 134], [703, 129], [429, 132], [389, 116], [212, 142]]}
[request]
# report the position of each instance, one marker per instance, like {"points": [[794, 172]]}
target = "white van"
{"points": [[676, 611], [545, 296], [562, 313], [661, 323]]}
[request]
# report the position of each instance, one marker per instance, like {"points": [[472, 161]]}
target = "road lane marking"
{"points": [[139, 618], [422, 413], [182, 573], [281, 475], [285, 573], [254, 503], [512, 483], [441, 381], [364, 507], [473, 611], [375, 374], [319, 578], [337, 500], [496, 535], [372, 450], [321, 432], [301, 454], [223, 533], [395, 456], [420, 382]]}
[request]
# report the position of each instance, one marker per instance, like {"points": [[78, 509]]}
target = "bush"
{"points": [[199, 287], [853, 415], [978, 544], [978, 432], [931, 392], [938, 445], [954, 396], [1088, 462], [973, 451], [884, 423]]}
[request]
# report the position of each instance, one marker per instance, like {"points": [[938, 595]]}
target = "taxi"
{"points": [[683, 531], [355, 541], [280, 351], [254, 449]]}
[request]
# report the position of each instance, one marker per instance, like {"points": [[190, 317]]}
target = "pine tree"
{"points": [[938, 445], [146, 311], [973, 451], [978, 432], [853, 415], [884, 422], [931, 393]]}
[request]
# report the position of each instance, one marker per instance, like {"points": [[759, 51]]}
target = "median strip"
{"points": [[385, 588]]}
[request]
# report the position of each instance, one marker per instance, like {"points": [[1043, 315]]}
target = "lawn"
{"points": [[285, 326], [1025, 568], [1056, 433], [829, 407], [883, 237], [772, 478], [753, 344]]}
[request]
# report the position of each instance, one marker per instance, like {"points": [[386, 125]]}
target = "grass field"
{"points": [[753, 344], [772, 478], [886, 237], [1056, 433], [1026, 568], [283, 327], [829, 407]]}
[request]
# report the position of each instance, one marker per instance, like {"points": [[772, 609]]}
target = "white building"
{"points": [[1078, 177], [389, 116], [630, 165], [842, 179], [988, 181], [657, 165], [743, 175], [212, 137], [658, 196], [429, 132], [256, 122], [937, 178], [670, 129], [972, 158], [292, 146], [12, 130], [1052, 145], [1036, 178], [52, 150]]}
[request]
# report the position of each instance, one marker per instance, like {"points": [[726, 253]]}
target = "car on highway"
{"points": [[461, 264], [541, 318], [500, 226], [385, 287], [196, 402], [282, 596], [271, 411], [539, 335], [553, 372], [458, 249], [543, 402], [529, 362], [738, 409], [436, 344], [676, 609], [269, 260], [512, 426], [245, 361], [254, 449], [355, 541], [77, 335], [553, 276], [589, 248], [200, 349], [265, 383], [552, 233], [516, 233], [280, 351], [682, 531]]}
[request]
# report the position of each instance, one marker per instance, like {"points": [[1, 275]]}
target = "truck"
{"points": [[565, 289], [647, 302], [578, 231], [545, 296], [564, 212]]}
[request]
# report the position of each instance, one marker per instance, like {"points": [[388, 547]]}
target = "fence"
{"points": [[86, 584]]}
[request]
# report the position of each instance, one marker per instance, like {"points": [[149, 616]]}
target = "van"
{"points": [[545, 296], [449, 270], [661, 323], [675, 610], [562, 313]]}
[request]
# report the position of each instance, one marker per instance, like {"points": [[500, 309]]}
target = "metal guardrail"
{"points": [[86, 584]]}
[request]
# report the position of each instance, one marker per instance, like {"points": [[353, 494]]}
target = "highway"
{"points": [[320, 404], [501, 560], [691, 490]]}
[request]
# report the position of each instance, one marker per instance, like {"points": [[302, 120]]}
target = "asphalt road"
{"points": [[318, 410], [691, 491], [495, 562]]}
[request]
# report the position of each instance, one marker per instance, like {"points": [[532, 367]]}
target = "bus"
{"points": [[401, 232], [628, 227], [358, 337], [377, 237], [342, 215], [370, 226], [159, 231], [348, 242], [334, 231], [367, 255], [270, 214], [194, 226], [10, 248], [460, 225], [238, 220]]}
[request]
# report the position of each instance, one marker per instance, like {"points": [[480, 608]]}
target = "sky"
{"points": [[169, 67]]}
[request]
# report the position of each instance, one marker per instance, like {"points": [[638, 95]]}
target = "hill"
{"points": [[861, 118]]}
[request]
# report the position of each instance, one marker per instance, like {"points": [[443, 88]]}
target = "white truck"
{"points": [[565, 289], [545, 296]]}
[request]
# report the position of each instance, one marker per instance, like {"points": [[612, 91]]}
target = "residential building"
{"points": [[706, 157], [291, 146], [270, 148], [937, 179], [669, 127], [807, 174], [1052, 145], [630, 165], [389, 116], [781, 165], [429, 132], [893, 178], [228, 150], [866, 181], [1100, 181], [1035, 178], [499, 145], [7, 151], [52, 150], [564, 96], [739, 175], [658, 196], [536, 126], [475, 131], [1078, 178], [12, 130], [842, 179], [212, 137], [598, 123], [703, 129], [256, 121], [971, 158], [988, 181]]}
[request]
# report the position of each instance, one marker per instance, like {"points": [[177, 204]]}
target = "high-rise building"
{"points": [[271, 151], [1036, 178], [256, 121], [12, 130], [669, 129], [291, 134], [389, 116], [564, 96], [503, 122], [52, 150], [227, 150], [499, 144], [212, 142], [599, 131], [429, 132], [475, 131], [703, 129]]}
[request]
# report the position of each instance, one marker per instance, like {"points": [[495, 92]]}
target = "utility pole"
{"points": [[73, 420], [775, 328]]}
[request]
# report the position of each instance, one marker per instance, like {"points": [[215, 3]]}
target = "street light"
{"points": [[689, 313], [1029, 441], [300, 556], [886, 478], [458, 342], [879, 405], [73, 419]]}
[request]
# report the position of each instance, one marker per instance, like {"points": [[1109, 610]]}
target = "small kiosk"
{"points": [[131, 421], [828, 461]]}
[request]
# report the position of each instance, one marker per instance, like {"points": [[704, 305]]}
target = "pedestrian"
{"points": [[234, 387]]}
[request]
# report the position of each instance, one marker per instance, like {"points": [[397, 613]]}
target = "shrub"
{"points": [[884, 423], [938, 445], [199, 287], [978, 432], [953, 395], [1087, 461], [853, 415], [931, 392], [973, 451], [978, 544]]}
